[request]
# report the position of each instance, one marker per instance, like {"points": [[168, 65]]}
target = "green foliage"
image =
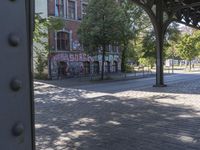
{"points": [[147, 62], [187, 47], [40, 46], [196, 35], [173, 35], [131, 53], [131, 27], [55, 23], [148, 44], [147, 49], [143, 43], [130, 68], [40, 63], [101, 26]]}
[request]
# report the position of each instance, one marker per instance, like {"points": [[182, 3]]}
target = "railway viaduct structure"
{"points": [[162, 13]]}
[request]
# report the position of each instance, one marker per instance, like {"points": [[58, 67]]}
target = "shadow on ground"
{"points": [[74, 119], [177, 83]]}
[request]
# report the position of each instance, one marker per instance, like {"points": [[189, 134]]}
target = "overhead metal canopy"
{"points": [[162, 13]]}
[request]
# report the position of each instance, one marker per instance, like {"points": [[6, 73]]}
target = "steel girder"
{"points": [[162, 13]]}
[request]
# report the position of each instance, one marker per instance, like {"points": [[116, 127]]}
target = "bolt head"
{"points": [[16, 85], [14, 39]]}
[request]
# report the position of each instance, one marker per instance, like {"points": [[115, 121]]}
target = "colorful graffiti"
{"points": [[76, 64], [71, 57]]}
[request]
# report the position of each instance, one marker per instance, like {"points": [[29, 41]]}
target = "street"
{"points": [[121, 115]]}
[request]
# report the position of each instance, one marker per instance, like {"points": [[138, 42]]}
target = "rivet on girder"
{"points": [[14, 39], [18, 129], [16, 85]]}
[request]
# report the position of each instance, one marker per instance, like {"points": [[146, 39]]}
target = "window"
{"points": [[115, 48], [115, 66], [60, 8], [63, 41], [86, 67], [71, 9], [84, 6], [96, 67], [107, 67]]}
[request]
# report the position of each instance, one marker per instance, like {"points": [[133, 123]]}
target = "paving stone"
{"points": [[143, 119]]}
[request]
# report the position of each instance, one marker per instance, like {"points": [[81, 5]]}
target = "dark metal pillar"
{"points": [[16, 89], [159, 31], [162, 13]]}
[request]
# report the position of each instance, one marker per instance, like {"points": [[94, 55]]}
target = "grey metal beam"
{"points": [[16, 89]]}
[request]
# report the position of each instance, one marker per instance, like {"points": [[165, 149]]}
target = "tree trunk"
{"points": [[103, 61], [173, 65], [186, 64], [123, 63], [190, 65]]}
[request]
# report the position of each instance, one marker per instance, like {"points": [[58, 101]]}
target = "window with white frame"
{"points": [[66, 9], [63, 41], [60, 8], [71, 9]]}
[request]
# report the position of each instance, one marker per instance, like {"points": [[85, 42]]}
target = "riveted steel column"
{"points": [[159, 31], [16, 98]]}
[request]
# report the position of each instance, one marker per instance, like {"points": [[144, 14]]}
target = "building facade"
{"points": [[67, 57]]}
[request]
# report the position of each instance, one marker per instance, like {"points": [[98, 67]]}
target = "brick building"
{"points": [[67, 56]]}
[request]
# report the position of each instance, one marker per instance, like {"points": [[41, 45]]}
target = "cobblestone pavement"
{"points": [[142, 119]]}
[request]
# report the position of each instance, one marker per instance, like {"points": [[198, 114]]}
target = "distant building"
{"points": [[171, 62], [66, 53], [41, 7]]}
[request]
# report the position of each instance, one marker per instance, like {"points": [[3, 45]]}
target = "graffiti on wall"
{"points": [[72, 64], [109, 58], [67, 69], [76, 45], [71, 57]]}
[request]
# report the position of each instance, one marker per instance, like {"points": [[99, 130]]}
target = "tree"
{"points": [[196, 35], [142, 30], [127, 30], [173, 35], [40, 46], [100, 27], [147, 51], [147, 62], [187, 48]]}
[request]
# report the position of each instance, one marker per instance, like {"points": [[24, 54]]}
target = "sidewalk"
{"points": [[112, 77], [69, 82], [128, 119]]}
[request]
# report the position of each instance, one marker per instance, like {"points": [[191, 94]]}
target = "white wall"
{"points": [[41, 7]]}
